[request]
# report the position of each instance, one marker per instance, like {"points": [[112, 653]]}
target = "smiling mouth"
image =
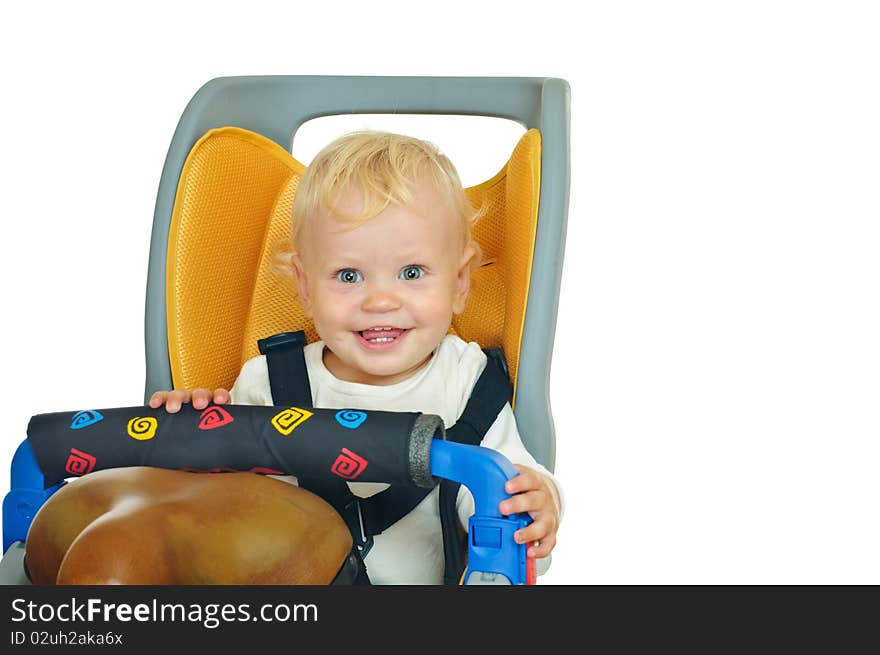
{"points": [[381, 336]]}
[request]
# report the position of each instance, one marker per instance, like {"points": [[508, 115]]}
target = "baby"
{"points": [[382, 256]]}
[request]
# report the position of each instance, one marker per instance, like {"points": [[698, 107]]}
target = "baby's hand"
{"points": [[536, 494], [201, 398]]}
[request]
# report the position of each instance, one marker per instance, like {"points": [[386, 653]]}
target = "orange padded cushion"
{"points": [[227, 189], [496, 307], [275, 303], [232, 219]]}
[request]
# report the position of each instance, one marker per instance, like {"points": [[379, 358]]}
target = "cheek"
{"points": [[332, 308], [435, 307]]}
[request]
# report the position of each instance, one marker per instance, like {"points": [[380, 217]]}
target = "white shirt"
{"points": [[411, 550]]}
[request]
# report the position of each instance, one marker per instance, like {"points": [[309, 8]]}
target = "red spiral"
{"points": [[79, 463], [214, 417], [348, 465]]}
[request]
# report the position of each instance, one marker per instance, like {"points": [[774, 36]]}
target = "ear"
{"points": [[302, 285], [463, 279]]}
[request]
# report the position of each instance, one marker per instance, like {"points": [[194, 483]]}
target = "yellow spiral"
{"points": [[142, 427], [287, 420]]}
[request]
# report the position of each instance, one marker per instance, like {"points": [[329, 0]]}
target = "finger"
{"points": [[534, 531], [201, 398], [538, 530], [157, 399], [543, 548], [176, 399], [526, 480], [221, 396], [529, 501]]}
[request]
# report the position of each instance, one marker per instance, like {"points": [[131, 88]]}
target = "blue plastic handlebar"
{"points": [[491, 547]]}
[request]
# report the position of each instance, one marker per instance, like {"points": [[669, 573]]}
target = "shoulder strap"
{"points": [[491, 392], [288, 376]]}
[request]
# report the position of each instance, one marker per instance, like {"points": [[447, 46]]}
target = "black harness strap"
{"points": [[288, 376], [367, 517], [491, 391]]}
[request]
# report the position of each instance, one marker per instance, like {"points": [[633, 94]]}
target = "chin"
{"points": [[384, 371], [390, 368]]}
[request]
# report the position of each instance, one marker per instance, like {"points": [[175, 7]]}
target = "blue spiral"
{"points": [[350, 418], [85, 418]]}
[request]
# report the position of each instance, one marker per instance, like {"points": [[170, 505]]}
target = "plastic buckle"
{"points": [[282, 340], [354, 518], [348, 572]]}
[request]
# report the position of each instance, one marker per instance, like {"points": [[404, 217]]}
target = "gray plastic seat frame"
{"points": [[276, 106]]}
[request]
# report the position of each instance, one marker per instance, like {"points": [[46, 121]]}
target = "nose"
{"points": [[380, 299]]}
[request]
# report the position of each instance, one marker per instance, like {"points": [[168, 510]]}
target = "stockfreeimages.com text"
{"points": [[210, 615]]}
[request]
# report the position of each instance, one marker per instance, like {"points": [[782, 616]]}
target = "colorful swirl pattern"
{"points": [[214, 417], [85, 418], [348, 465], [79, 462], [350, 418], [142, 428], [288, 420]]}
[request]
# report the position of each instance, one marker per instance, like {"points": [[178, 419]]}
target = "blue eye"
{"points": [[349, 276], [412, 273]]}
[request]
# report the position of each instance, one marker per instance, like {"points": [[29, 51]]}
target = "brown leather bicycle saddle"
{"points": [[151, 526]]}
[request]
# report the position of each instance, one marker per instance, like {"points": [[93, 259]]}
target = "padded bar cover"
{"points": [[392, 447]]}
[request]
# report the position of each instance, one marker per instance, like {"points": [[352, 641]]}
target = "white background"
{"points": [[717, 363]]}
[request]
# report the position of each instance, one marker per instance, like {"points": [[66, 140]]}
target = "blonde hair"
{"points": [[383, 166]]}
